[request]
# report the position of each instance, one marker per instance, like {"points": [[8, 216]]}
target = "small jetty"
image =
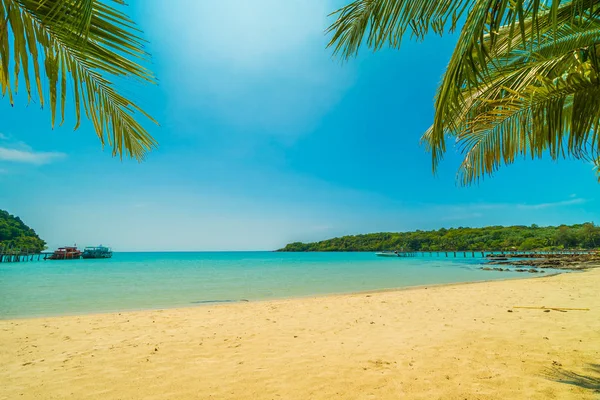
{"points": [[524, 261], [9, 254], [491, 255]]}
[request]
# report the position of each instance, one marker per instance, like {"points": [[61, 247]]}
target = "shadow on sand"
{"points": [[590, 379]]}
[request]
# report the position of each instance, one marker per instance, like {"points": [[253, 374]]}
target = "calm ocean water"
{"points": [[160, 280]]}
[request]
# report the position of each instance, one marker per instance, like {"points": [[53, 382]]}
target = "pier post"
{"points": [[446, 254], [454, 254]]}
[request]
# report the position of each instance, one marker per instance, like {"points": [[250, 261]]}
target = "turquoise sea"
{"points": [[132, 281]]}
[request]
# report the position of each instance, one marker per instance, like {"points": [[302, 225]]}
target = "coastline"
{"points": [[216, 303], [457, 340]]}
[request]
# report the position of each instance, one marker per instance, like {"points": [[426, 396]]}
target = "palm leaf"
{"points": [[387, 21], [521, 81], [87, 43], [532, 102]]}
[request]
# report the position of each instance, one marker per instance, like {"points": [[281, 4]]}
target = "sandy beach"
{"points": [[447, 342]]}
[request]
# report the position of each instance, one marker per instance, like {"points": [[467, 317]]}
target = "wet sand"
{"points": [[445, 342]]}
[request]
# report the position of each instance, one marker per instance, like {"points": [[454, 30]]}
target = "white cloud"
{"points": [[554, 204], [29, 156], [469, 212], [471, 209], [319, 228]]}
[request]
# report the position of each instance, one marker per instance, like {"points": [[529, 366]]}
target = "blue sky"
{"points": [[266, 139]]}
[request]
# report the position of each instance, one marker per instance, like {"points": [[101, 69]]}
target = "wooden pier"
{"points": [[489, 253], [10, 254]]}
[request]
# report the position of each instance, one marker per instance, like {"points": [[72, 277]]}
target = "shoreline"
{"points": [[455, 341], [225, 302]]}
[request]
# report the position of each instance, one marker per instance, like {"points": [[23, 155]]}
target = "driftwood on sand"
{"points": [[553, 308]]}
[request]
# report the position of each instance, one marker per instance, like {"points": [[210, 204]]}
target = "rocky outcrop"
{"points": [[555, 261]]}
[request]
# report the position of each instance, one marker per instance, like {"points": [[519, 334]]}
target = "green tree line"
{"points": [[16, 235], [581, 236]]}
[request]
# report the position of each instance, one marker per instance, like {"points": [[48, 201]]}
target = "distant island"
{"points": [[496, 238], [16, 235]]}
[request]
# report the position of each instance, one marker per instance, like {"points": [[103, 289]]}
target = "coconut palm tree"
{"points": [[70, 51], [523, 79]]}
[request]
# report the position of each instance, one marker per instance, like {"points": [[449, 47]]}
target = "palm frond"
{"points": [[522, 79], [531, 127], [387, 21], [531, 106], [85, 43], [478, 54]]}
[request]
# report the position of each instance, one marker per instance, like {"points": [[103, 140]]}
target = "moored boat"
{"points": [[387, 254], [97, 252], [65, 253]]}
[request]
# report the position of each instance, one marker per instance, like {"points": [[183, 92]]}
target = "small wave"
{"points": [[218, 301]]}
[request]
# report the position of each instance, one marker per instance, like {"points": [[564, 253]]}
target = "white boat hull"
{"points": [[386, 254]]}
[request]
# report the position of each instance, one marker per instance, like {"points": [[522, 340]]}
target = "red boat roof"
{"points": [[67, 248]]}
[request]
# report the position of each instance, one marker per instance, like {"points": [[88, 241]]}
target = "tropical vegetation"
{"points": [[75, 49], [582, 236], [14, 234], [523, 81]]}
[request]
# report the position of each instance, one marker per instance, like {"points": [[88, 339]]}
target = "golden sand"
{"points": [[447, 342]]}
